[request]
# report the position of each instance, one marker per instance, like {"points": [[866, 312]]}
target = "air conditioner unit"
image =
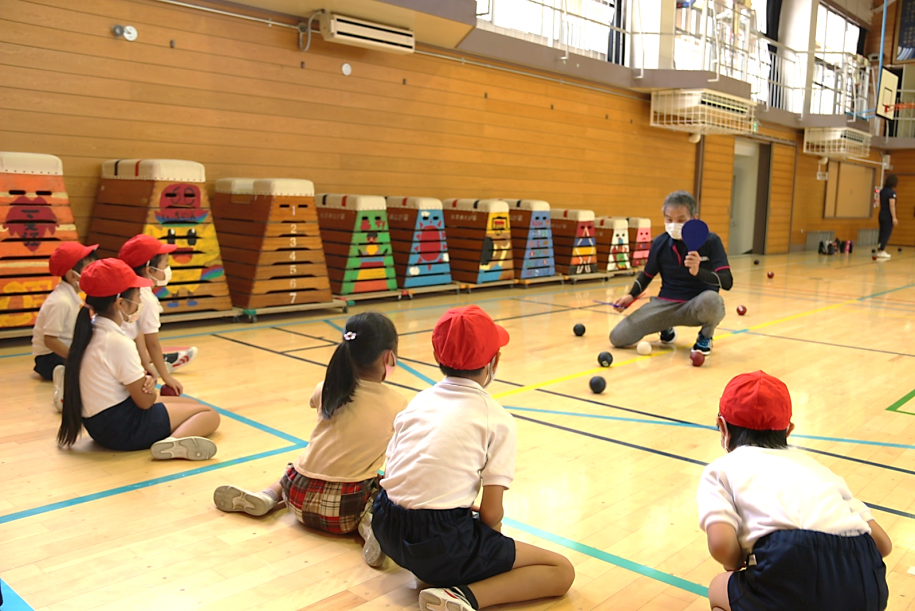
{"points": [[366, 34], [702, 111], [836, 142]]}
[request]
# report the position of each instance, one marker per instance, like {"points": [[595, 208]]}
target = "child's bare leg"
{"points": [[718, 593], [189, 418], [536, 573], [233, 498]]}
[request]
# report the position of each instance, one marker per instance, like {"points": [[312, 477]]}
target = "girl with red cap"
{"points": [[53, 330], [149, 259], [788, 531], [106, 388]]}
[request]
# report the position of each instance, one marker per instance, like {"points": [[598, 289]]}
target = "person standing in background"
{"points": [[887, 216]]}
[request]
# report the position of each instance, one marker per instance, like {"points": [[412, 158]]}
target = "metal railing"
{"points": [[719, 36]]}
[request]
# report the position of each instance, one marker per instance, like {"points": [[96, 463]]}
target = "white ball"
{"points": [[643, 348]]}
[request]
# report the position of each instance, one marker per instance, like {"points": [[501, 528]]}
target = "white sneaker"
{"points": [[58, 377], [179, 358], [884, 255], [189, 448], [232, 498], [371, 551], [443, 599]]}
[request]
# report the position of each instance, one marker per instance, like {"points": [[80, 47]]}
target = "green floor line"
{"points": [[896, 407]]}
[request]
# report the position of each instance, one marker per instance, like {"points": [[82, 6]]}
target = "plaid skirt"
{"points": [[334, 507]]}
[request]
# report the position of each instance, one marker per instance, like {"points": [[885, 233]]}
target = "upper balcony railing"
{"points": [[719, 36]]}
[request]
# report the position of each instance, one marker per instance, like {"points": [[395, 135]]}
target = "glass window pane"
{"points": [[821, 27], [851, 38], [835, 32]]}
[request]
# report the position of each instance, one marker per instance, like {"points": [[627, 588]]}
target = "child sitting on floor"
{"points": [[787, 530], [331, 486], [452, 439]]}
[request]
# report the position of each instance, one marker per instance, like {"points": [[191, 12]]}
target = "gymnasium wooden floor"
{"points": [[609, 480]]}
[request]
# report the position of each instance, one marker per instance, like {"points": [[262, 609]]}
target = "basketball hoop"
{"points": [[901, 106]]}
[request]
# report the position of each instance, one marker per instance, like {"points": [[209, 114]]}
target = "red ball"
{"points": [[771, 274], [168, 391], [741, 310], [874, 257], [696, 358]]}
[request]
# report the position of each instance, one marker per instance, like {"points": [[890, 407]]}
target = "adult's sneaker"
{"points": [[703, 344], [668, 336]]}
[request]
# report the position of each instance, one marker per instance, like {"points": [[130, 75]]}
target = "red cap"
{"points": [[756, 401], [140, 250], [67, 256], [109, 277], [467, 338]]}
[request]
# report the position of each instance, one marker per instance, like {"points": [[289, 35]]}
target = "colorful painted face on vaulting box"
{"points": [[431, 245], [180, 203], [498, 221], [197, 245], [372, 222], [30, 217]]}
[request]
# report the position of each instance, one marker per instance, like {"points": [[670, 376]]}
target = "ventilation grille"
{"points": [[836, 142], [701, 111], [366, 34]]}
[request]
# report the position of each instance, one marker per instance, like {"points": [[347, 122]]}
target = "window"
{"points": [[836, 85]]}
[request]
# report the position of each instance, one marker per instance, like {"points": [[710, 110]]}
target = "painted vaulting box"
{"points": [[271, 243], [166, 199], [479, 240], [532, 238], [639, 240], [35, 218], [357, 243], [612, 233], [418, 241], [573, 241]]}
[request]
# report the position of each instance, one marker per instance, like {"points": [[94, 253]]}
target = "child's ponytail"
{"points": [[71, 420], [365, 337]]}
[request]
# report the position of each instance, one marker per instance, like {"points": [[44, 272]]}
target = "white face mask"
{"points": [[675, 230], [76, 284], [491, 374], [168, 276], [389, 369], [132, 318]]}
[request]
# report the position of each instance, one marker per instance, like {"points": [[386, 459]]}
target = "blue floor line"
{"points": [[629, 565], [27, 513], [253, 423], [11, 600]]}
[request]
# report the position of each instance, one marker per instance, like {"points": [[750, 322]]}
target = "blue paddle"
{"points": [[695, 233]]}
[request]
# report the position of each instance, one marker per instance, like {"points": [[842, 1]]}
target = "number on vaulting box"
{"points": [[166, 199], [271, 242], [35, 218], [532, 238], [357, 243], [573, 241], [418, 241], [479, 240]]}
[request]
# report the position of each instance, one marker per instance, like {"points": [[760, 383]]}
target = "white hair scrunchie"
{"points": [[349, 336]]}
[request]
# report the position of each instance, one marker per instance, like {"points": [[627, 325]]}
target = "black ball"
{"points": [[900, 250], [579, 329], [605, 359], [755, 261], [598, 384], [873, 251]]}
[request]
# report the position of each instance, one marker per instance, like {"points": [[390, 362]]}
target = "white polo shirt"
{"points": [[149, 315], [759, 491], [451, 439], [110, 363], [57, 318]]}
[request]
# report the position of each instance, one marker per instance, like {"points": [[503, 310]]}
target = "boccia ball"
{"points": [[696, 358], [597, 384], [770, 275], [168, 391], [643, 348], [741, 310], [579, 329], [755, 261], [874, 258], [873, 251], [605, 359], [900, 250]]}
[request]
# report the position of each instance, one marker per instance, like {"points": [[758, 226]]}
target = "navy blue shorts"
{"points": [[45, 364], [442, 547], [126, 428], [803, 570]]}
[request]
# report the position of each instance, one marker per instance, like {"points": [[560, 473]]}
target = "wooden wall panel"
{"points": [[781, 198], [235, 96], [717, 183]]}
